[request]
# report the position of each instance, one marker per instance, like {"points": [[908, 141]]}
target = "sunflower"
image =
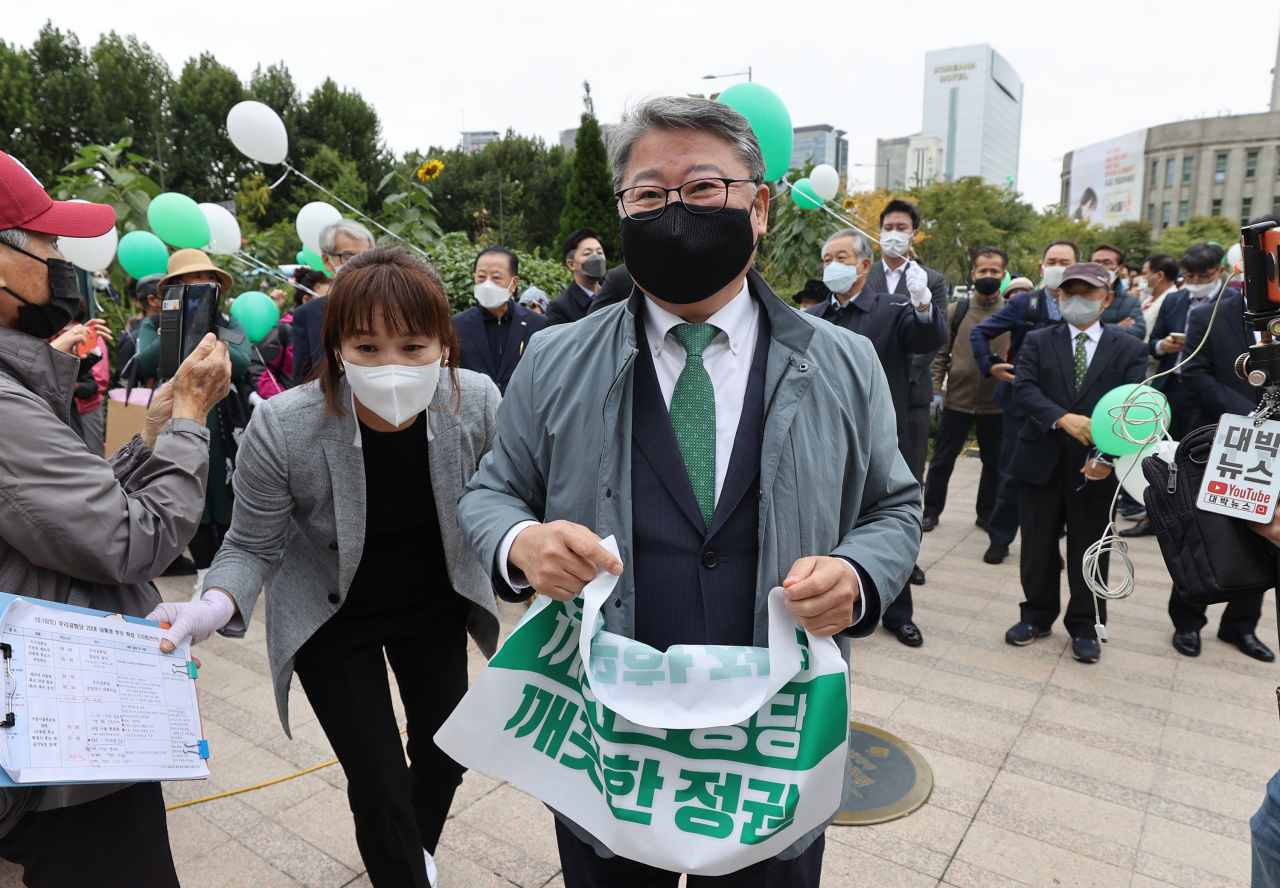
{"points": [[849, 203], [430, 170]]}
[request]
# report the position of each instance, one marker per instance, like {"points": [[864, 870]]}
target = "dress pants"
{"points": [[118, 841], [1042, 510], [1183, 416], [953, 431], [902, 610], [1002, 526], [399, 809], [583, 868], [1240, 617]]}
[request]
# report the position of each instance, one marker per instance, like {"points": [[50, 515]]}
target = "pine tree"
{"points": [[589, 200]]}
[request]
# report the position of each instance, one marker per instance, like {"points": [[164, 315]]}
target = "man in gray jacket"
{"points": [[730, 443], [78, 529]]}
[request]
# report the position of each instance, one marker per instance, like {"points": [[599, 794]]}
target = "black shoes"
{"points": [[1187, 643], [917, 576], [908, 634], [928, 523], [995, 554], [981, 522], [1141, 529], [1086, 650], [1024, 633], [1248, 644]]}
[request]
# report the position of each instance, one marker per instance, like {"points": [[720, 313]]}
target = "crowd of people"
{"points": [[383, 468]]}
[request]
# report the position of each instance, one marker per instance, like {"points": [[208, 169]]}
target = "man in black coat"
{"points": [[1063, 371], [340, 242], [494, 333], [584, 254], [900, 327], [1214, 389]]}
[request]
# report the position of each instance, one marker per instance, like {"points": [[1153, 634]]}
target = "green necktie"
{"points": [[1082, 362], [693, 415]]}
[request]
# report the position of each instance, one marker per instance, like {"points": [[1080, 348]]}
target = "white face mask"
{"points": [[1201, 290], [394, 392], [1053, 276], [1080, 311], [491, 295], [895, 243], [839, 277]]}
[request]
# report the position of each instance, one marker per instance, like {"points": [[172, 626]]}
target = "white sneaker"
{"points": [[198, 586], [431, 867]]}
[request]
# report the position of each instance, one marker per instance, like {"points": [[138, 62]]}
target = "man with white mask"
{"points": [[495, 332], [901, 329]]}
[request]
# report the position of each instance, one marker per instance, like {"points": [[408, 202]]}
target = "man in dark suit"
{"points": [[339, 243], [900, 327], [1214, 389], [617, 287], [1020, 315], [584, 255], [1063, 372], [494, 333]]}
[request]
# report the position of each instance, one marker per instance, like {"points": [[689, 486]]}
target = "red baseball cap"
{"points": [[24, 204]]}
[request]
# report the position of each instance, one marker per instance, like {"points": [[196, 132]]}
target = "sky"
{"points": [[1091, 70]]}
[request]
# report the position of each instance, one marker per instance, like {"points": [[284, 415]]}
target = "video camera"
{"points": [[1260, 365], [187, 313]]}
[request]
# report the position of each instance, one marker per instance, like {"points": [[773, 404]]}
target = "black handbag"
{"points": [[1211, 557]]}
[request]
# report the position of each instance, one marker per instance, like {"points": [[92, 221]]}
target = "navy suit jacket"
{"points": [[1172, 318], [891, 324], [308, 319], [573, 304], [1210, 377], [1011, 319], [475, 354], [1045, 390]]}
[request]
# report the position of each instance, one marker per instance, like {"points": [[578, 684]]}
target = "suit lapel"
{"points": [[346, 474], [744, 460], [473, 323], [875, 278], [511, 351], [1064, 346]]}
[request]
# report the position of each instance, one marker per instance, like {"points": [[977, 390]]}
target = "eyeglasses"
{"points": [[645, 202], [344, 258]]}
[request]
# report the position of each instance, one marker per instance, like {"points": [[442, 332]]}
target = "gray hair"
{"points": [[350, 227], [16, 237], [672, 113], [861, 243]]}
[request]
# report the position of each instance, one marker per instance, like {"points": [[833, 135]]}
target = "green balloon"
{"points": [[1138, 420], [803, 195], [311, 260], [770, 121], [257, 311], [142, 253], [178, 220]]}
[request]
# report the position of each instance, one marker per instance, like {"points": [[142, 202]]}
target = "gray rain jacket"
{"points": [[78, 529]]}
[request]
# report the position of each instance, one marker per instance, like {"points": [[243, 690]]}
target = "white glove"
{"points": [[918, 285], [199, 619]]}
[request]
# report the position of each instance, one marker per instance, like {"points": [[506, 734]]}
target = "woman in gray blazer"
{"points": [[348, 517]]}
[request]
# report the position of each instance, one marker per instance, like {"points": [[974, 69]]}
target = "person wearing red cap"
{"points": [[78, 529]]}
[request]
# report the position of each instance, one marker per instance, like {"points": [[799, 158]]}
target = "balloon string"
{"points": [[272, 187], [258, 265], [408, 244], [847, 220]]}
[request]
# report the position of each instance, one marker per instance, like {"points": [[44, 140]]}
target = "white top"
{"points": [[1094, 332], [891, 275]]}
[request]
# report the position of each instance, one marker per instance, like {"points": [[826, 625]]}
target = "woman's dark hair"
{"points": [[309, 278], [407, 293]]}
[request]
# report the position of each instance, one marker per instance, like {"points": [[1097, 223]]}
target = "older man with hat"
{"points": [[194, 267], [1063, 371], [78, 529]]}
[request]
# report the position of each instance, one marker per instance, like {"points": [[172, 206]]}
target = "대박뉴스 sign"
{"points": [[1240, 477]]}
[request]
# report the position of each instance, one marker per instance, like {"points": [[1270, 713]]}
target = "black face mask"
{"points": [[45, 320], [683, 257], [593, 267], [987, 286]]}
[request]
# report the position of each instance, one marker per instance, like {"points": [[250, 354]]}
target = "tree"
{"points": [[589, 200], [961, 217], [204, 165], [1198, 229]]}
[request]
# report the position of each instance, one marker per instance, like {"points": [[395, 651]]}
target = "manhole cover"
{"points": [[890, 778]]}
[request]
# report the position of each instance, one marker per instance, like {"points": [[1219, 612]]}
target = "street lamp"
{"points": [[877, 166], [734, 74], [502, 234]]}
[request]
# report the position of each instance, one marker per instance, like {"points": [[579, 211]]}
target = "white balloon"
{"points": [[258, 132], [825, 181], [224, 230], [1234, 254], [90, 253], [311, 219]]}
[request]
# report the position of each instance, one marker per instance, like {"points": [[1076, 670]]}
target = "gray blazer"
{"points": [[298, 524]]}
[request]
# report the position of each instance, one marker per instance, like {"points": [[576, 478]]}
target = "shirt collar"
{"points": [[590, 295], [1093, 331], [733, 321]]}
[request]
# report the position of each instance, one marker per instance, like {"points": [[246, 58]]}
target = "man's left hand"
{"points": [[1095, 470], [821, 594], [1127, 322]]}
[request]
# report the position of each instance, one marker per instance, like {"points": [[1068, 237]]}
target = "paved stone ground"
{"points": [[1139, 771]]}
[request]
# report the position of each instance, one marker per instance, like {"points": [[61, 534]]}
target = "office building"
{"points": [[908, 161], [475, 141], [569, 137], [821, 143]]}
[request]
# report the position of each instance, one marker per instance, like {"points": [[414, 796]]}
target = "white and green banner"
{"points": [[701, 759]]}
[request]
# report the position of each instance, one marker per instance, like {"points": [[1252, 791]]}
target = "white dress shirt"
{"points": [[1094, 332], [891, 275]]}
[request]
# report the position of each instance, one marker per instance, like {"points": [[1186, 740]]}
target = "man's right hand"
{"points": [[1002, 372], [202, 381], [1269, 531], [559, 558], [1169, 345], [1077, 426]]}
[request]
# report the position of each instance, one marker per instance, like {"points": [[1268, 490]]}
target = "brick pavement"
{"points": [[1138, 772]]}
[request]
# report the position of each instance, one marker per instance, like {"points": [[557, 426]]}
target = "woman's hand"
{"points": [[68, 340], [199, 619]]}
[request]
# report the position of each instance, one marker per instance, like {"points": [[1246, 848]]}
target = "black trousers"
{"points": [[1002, 526], [902, 611], [206, 543], [399, 809], [1240, 617], [583, 868], [118, 841], [1042, 510], [1182, 413], [953, 431]]}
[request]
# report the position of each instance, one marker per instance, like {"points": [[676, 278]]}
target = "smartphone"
{"points": [[1178, 336], [187, 313]]}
